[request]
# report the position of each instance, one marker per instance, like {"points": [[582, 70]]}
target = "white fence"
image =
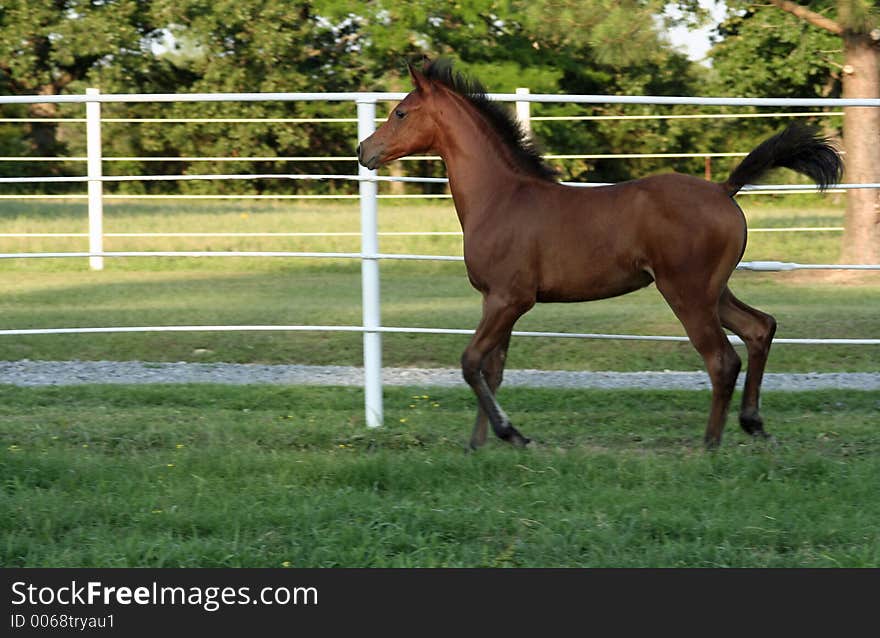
{"points": [[368, 194]]}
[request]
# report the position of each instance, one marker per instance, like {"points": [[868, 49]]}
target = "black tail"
{"points": [[798, 148]]}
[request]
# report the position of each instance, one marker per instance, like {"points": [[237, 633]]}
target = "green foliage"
{"points": [[268, 46], [858, 16], [763, 51], [553, 46], [47, 46]]}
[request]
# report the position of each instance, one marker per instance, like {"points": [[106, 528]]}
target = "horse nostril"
{"points": [[359, 151]]}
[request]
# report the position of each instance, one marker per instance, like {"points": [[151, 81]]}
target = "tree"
{"points": [[808, 63], [167, 46], [266, 46], [550, 46], [858, 25], [45, 45]]}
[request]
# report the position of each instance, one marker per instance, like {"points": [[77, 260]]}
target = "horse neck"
{"points": [[479, 164]]}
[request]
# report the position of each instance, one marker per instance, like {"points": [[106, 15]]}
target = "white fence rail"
{"points": [[368, 194]]}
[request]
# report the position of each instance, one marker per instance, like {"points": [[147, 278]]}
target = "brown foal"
{"points": [[528, 238]]}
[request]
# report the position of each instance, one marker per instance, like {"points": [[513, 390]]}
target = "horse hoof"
{"points": [[752, 424], [516, 439], [513, 437]]}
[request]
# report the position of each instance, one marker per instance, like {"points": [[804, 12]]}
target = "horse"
{"points": [[529, 239]]}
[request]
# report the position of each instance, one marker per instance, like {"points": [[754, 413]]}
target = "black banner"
{"points": [[170, 602]]}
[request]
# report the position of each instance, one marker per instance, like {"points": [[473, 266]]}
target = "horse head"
{"points": [[410, 128]]}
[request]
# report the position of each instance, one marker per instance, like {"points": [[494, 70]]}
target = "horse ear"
{"points": [[420, 82]]}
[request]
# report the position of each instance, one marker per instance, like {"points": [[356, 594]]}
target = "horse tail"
{"points": [[798, 148]]}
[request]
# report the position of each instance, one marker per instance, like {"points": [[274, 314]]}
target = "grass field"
{"points": [[265, 476], [209, 476]]}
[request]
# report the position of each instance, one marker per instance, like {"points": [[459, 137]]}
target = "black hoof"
{"points": [[754, 427], [752, 424], [512, 436]]}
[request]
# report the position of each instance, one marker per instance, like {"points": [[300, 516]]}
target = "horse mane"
{"points": [[525, 152]]}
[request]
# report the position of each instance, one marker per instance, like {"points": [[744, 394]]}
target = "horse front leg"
{"points": [[499, 316], [493, 368]]}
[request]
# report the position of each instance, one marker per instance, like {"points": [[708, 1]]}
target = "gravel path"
{"points": [[41, 373]]}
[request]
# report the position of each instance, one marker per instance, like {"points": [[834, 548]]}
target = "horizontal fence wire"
{"points": [[353, 120], [400, 233], [403, 330], [123, 196], [765, 266], [353, 158], [373, 97], [230, 253], [72, 179], [681, 116]]}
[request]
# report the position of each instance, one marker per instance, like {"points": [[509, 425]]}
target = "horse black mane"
{"points": [[525, 152]]}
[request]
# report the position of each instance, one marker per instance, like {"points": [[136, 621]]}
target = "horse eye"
{"points": [[400, 114]]}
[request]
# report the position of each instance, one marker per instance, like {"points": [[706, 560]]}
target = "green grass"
{"points": [[63, 293], [267, 476], [264, 476]]}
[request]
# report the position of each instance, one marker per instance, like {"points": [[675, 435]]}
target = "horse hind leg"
{"points": [[756, 329], [723, 365], [699, 316]]}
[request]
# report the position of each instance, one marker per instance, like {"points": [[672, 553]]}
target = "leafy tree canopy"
{"points": [[761, 50]]}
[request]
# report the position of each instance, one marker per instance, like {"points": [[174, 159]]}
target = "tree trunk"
{"points": [[861, 135], [44, 135]]}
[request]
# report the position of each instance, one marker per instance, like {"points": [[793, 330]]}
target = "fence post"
{"points": [[523, 112], [96, 204], [366, 111]]}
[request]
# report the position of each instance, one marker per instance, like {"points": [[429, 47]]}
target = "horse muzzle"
{"points": [[367, 158]]}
